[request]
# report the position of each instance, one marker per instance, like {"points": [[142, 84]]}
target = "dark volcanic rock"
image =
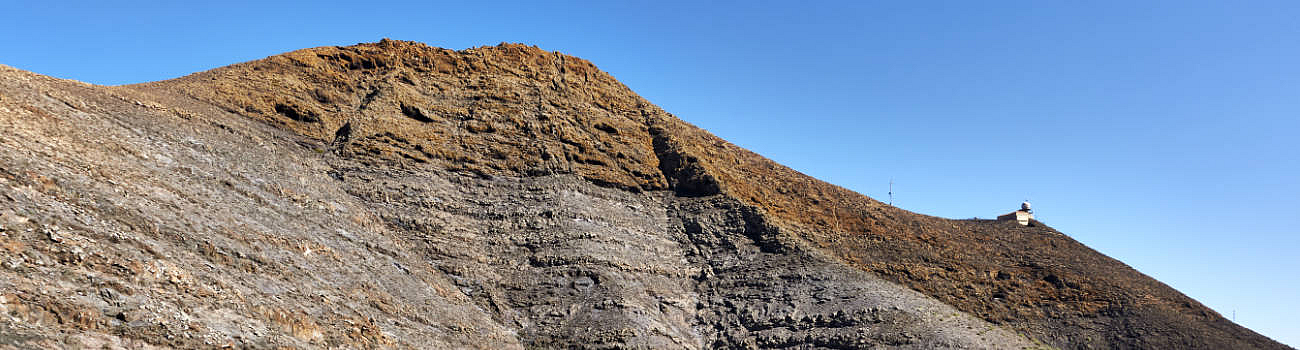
{"points": [[395, 195], [131, 224]]}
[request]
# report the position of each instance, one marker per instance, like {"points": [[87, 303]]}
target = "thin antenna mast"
{"points": [[891, 191]]}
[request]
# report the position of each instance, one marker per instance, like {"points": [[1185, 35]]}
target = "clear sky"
{"points": [[1161, 133]]}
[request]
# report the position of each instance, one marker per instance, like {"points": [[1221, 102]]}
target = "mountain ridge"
{"points": [[514, 111]]}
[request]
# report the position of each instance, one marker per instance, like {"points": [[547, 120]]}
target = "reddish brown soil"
{"points": [[520, 111]]}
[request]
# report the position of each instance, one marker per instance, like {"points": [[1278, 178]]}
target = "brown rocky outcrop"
{"points": [[399, 195]]}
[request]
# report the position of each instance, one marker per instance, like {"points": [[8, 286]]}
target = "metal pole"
{"points": [[891, 192]]}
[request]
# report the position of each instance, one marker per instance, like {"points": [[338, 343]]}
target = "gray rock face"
{"points": [[398, 108], [570, 263], [131, 224]]}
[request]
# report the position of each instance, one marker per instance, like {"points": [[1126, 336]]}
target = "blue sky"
{"points": [[1161, 133]]}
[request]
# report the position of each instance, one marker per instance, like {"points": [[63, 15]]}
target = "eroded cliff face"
{"points": [[399, 195], [129, 223]]}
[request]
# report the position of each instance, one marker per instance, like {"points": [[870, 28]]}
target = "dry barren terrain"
{"points": [[396, 195]]}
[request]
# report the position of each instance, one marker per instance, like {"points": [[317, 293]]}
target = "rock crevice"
{"points": [[398, 195]]}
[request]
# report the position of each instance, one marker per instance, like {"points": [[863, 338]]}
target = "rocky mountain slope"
{"points": [[395, 195]]}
